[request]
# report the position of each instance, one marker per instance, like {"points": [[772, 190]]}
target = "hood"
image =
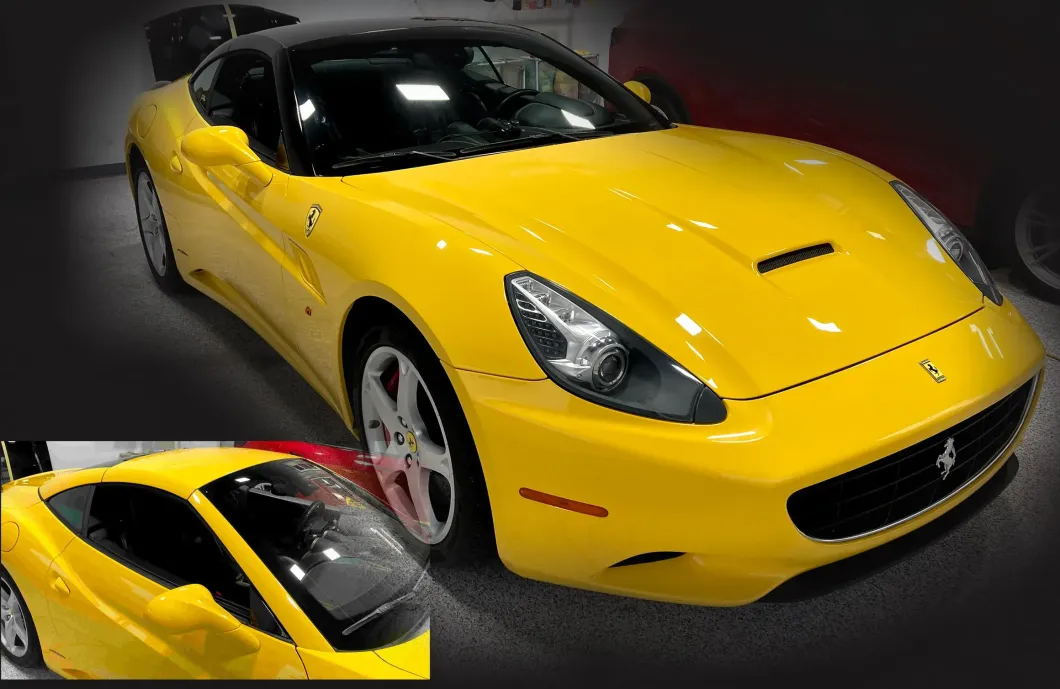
{"points": [[665, 230], [412, 656]]}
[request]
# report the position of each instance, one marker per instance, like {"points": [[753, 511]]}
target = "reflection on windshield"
{"points": [[382, 106], [347, 563]]}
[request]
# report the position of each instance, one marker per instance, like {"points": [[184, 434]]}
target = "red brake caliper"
{"points": [[391, 388]]}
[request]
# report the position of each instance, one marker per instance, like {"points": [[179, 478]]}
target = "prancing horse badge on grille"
{"points": [[933, 370], [947, 458]]}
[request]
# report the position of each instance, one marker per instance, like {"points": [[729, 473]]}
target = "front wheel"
{"points": [[1034, 239], [415, 432], [18, 635]]}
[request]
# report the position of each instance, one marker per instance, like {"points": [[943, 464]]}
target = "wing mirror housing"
{"points": [[191, 608], [223, 145], [639, 90]]}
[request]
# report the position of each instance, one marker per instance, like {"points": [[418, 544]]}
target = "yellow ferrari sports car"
{"points": [[209, 563], [656, 360]]}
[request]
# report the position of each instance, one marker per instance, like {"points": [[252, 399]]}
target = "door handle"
{"points": [[60, 586], [174, 164]]}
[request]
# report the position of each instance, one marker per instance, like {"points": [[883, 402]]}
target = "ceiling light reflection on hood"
{"points": [[827, 327], [425, 92]]}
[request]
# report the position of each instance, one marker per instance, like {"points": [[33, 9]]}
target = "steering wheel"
{"points": [[512, 96], [315, 509]]}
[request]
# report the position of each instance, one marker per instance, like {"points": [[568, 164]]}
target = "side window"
{"points": [[200, 87], [69, 506], [162, 536], [244, 95]]}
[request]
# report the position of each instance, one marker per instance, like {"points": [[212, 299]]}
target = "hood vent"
{"points": [[794, 257]]}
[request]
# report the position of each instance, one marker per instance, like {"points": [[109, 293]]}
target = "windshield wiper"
{"points": [[385, 607], [367, 160]]}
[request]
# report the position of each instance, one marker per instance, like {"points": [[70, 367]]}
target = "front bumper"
{"points": [[719, 493]]}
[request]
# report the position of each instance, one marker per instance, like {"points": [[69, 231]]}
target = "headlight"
{"points": [[952, 240], [592, 355]]}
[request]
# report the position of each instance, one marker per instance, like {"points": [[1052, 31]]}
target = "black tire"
{"points": [[32, 657], [170, 281], [470, 536], [1012, 211]]}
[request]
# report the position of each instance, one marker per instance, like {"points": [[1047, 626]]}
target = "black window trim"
{"points": [[197, 73], [84, 515], [234, 609], [267, 157]]}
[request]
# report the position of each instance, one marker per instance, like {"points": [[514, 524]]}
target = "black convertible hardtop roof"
{"points": [[313, 34]]}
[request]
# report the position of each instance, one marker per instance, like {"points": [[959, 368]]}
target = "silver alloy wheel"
{"points": [[1038, 236], [14, 632], [408, 462], [150, 212]]}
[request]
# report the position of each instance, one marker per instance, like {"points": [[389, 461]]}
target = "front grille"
{"points": [[902, 485]]}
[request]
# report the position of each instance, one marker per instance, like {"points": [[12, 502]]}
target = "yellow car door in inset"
{"points": [[139, 544]]}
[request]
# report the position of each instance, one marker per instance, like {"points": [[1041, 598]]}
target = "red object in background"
{"points": [[347, 462], [743, 95]]}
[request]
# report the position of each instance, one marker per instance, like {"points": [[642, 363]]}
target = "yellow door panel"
{"points": [[274, 659], [243, 248], [99, 609], [100, 626]]}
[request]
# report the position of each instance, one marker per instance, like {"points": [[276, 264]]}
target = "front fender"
{"points": [[449, 285]]}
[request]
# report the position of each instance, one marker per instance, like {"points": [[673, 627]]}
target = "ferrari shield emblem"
{"points": [[311, 219], [933, 370]]}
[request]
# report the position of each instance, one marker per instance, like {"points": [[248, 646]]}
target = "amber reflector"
{"points": [[563, 503]]}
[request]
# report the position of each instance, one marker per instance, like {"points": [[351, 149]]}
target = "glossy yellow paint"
{"points": [[730, 481], [663, 230], [97, 618], [209, 146]]}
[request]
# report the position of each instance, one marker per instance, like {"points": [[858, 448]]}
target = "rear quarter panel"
{"points": [[41, 538]]}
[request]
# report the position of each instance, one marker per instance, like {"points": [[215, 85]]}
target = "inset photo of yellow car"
{"points": [[649, 359], [209, 562]]}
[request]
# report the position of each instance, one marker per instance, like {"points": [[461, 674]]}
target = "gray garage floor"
{"points": [[948, 597]]}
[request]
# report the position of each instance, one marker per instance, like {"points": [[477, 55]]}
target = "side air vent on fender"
{"points": [[794, 257]]}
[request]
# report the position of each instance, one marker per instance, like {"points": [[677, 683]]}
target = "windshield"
{"points": [[382, 106], [339, 556]]}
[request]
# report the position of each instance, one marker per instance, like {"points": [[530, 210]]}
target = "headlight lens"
{"points": [[594, 356], [952, 240]]}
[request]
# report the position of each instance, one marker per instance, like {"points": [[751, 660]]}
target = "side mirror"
{"points": [[641, 91], [222, 145], [192, 608]]}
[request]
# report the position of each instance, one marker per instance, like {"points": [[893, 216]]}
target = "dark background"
{"points": [[988, 69]]}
